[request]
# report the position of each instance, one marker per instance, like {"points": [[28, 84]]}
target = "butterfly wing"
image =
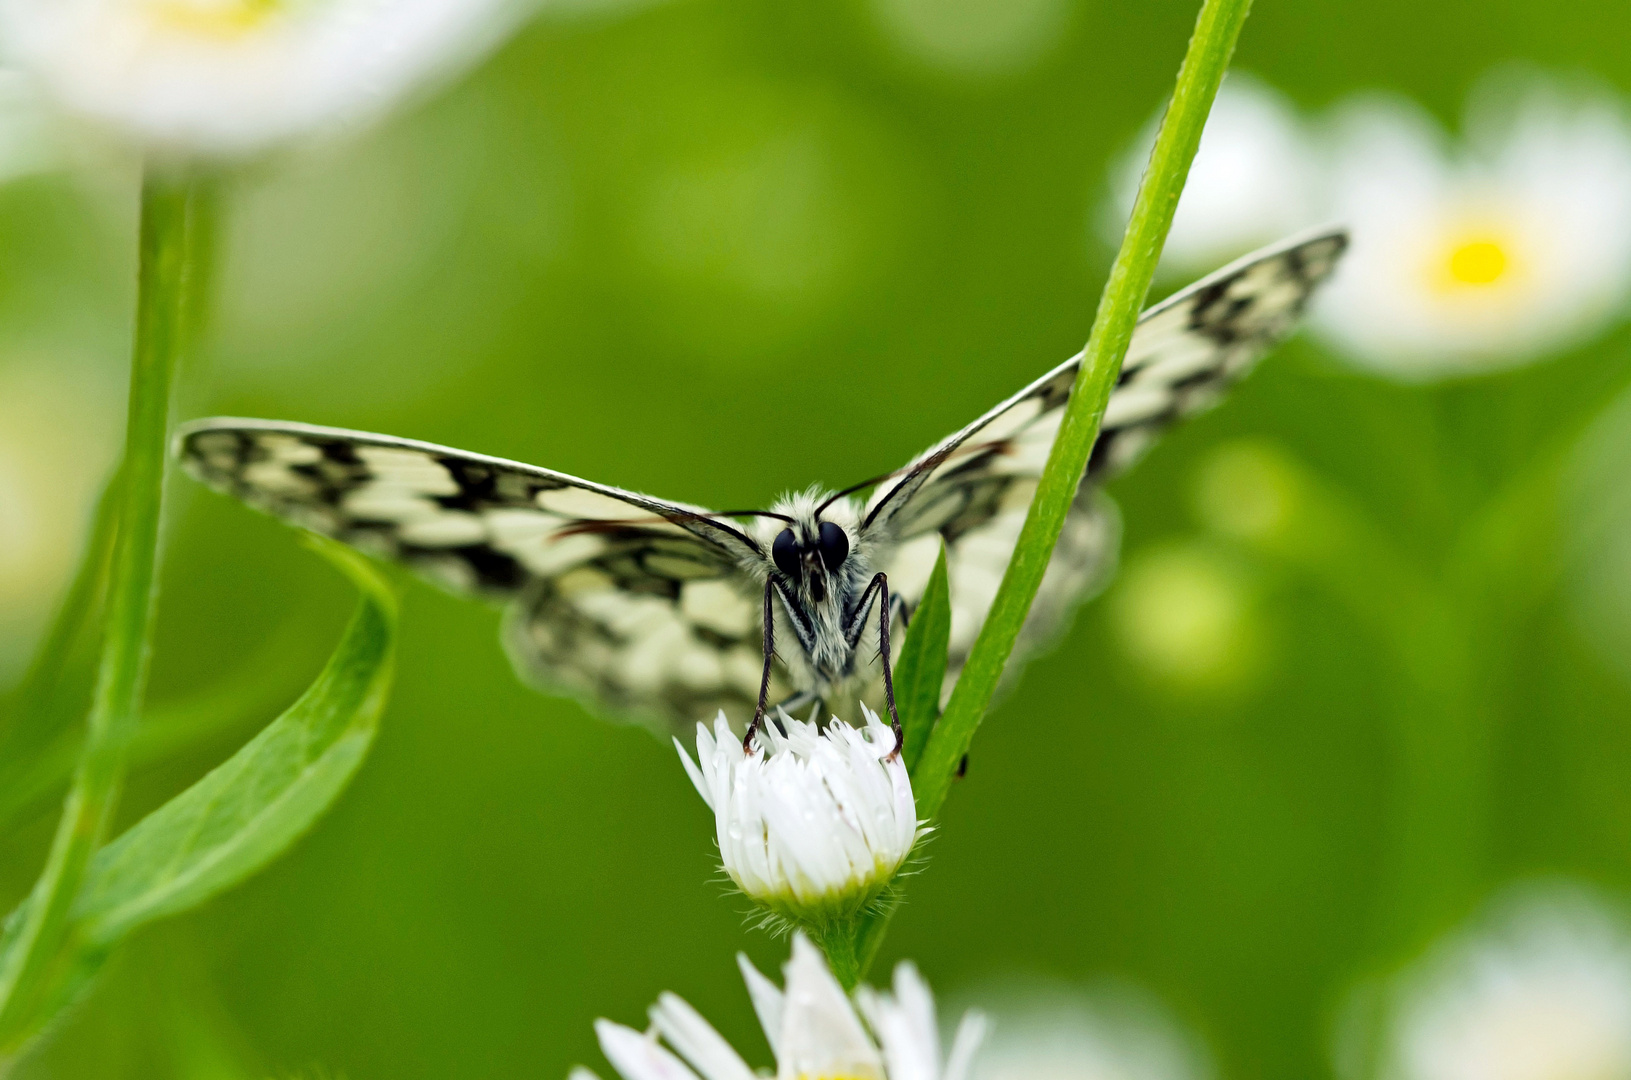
{"points": [[973, 490], [632, 602]]}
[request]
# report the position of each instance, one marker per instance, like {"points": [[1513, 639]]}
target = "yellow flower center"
{"points": [[213, 18], [1477, 262]]}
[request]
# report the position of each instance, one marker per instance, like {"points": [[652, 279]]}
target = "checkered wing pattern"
{"points": [[632, 602], [973, 489]]}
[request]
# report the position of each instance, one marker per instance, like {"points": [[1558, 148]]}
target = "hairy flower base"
{"points": [[814, 826], [829, 913]]}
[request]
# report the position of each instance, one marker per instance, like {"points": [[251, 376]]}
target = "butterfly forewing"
{"points": [[974, 488], [635, 602]]}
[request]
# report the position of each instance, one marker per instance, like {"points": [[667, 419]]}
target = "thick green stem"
{"points": [[35, 954], [1210, 48]]}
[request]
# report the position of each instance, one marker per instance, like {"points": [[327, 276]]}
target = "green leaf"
{"points": [[247, 812], [921, 670]]}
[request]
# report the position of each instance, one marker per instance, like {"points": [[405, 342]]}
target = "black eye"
{"points": [[785, 552], [834, 545]]}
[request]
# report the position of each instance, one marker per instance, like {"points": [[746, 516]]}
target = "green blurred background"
{"points": [[715, 249]]}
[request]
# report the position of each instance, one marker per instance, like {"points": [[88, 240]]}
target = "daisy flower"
{"points": [[1255, 179], [814, 1031], [1541, 991], [814, 825], [1481, 254], [224, 78]]}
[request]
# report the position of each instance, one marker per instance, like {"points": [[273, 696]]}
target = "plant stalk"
{"points": [[1216, 30], [37, 953]]}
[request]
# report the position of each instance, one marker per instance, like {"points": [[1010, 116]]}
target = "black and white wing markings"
{"points": [[641, 603], [974, 488]]}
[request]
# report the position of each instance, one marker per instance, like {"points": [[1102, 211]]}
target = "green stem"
{"points": [[1210, 47], [35, 955], [1216, 30]]}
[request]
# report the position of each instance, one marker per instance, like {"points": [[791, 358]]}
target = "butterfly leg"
{"points": [[764, 681], [884, 613]]}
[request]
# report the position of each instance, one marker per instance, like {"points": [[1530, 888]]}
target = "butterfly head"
{"points": [[811, 555], [811, 542]]}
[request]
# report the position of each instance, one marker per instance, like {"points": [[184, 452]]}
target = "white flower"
{"points": [[1514, 244], [1541, 992], [812, 1027], [814, 827], [1255, 178], [229, 77], [1114, 1032]]}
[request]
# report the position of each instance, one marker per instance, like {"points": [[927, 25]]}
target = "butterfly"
{"points": [[666, 613]]}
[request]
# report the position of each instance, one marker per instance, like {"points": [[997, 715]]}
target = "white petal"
{"points": [[821, 1035], [767, 1001], [638, 1057], [970, 1033], [697, 779], [580, 1073], [905, 1025], [696, 1040]]}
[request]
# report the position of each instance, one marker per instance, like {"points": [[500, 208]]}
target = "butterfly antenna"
{"points": [[853, 488], [931, 462], [752, 513]]}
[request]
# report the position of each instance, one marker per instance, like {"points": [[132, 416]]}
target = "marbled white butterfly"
{"points": [[667, 612]]}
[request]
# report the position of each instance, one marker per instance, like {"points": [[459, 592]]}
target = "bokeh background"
{"points": [[715, 249]]}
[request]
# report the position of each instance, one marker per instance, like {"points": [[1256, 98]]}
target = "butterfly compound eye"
{"points": [[834, 545], [785, 552]]}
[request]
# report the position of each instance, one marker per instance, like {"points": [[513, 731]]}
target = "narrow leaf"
{"points": [[922, 667], [246, 812]]}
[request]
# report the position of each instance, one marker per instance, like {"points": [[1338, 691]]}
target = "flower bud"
{"points": [[814, 825]]}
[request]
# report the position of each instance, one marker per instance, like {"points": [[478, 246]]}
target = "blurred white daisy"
{"points": [[229, 77], [1515, 243], [814, 826], [1111, 1032], [1256, 177], [812, 1027], [1540, 991]]}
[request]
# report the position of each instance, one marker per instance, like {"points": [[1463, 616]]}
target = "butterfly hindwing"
{"points": [[636, 602]]}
